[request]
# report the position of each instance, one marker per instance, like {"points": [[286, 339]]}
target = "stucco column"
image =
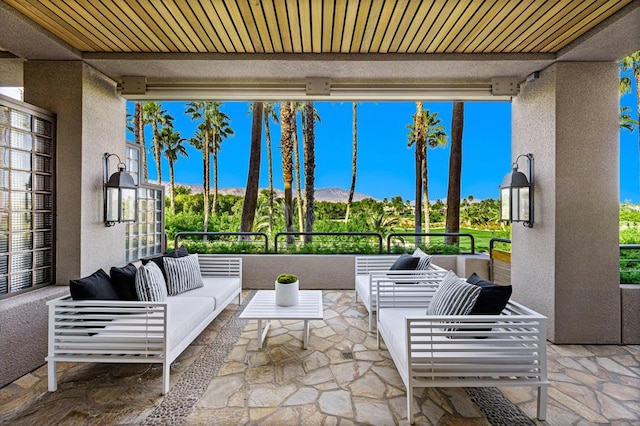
{"points": [[566, 266], [90, 121]]}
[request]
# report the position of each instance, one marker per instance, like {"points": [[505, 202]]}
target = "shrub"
{"points": [[286, 278]]}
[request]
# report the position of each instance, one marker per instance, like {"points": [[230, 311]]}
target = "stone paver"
{"points": [[342, 379]]}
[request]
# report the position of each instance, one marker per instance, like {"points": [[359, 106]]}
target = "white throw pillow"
{"points": [[150, 284], [425, 259], [454, 296], [183, 274]]}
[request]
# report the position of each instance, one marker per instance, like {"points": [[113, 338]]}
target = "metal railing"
{"points": [[218, 235], [375, 235], [629, 263], [499, 267], [433, 234]]}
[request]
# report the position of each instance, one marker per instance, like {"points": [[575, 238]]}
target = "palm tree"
{"points": [[631, 63], [200, 111], [354, 157], [173, 148], [269, 114], [309, 169], [416, 137], [253, 177], [455, 170], [158, 117], [286, 145], [138, 134], [626, 122], [220, 130], [295, 107]]}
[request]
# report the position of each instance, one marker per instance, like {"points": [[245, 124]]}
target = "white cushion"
{"points": [[362, 288], [454, 296], [425, 259], [150, 284], [183, 274], [185, 313], [217, 288]]}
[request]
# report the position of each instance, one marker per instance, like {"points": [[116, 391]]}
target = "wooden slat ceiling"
{"points": [[317, 26]]}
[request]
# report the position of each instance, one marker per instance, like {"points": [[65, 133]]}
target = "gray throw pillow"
{"points": [[150, 284], [454, 296], [183, 274], [425, 259]]}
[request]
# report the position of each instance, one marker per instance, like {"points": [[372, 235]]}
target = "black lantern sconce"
{"points": [[120, 194], [516, 194]]}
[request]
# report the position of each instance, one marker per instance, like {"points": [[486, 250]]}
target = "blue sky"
{"points": [[385, 163]]}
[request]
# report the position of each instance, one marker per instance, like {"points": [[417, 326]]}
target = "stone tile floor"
{"points": [[285, 384]]}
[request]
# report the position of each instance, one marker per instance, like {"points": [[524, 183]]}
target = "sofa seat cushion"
{"points": [[362, 288], [218, 288]]}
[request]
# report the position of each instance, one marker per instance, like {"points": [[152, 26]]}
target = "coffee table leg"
{"points": [[262, 335], [305, 338]]}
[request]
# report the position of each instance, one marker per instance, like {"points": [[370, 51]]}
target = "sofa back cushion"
{"points": [[124, 281], [493, 297], [150, 284], [183, 274], [96, 286]]}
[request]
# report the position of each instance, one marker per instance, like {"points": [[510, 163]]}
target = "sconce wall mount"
{"points": [[120, 194], [516, 194]]}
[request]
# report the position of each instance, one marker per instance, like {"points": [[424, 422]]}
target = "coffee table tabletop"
{"points": [[262, 307]]}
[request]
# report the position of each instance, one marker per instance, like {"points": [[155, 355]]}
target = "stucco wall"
{"points": [[90, 121], [566, 267]]}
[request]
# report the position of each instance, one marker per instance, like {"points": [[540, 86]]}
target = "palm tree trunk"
{"points": [[270, 161], [425, 193], [287, 165], [205, 172], [455, 171], [354, 157], [172, 187], [253, 177], [138, 135], [214, 149], [157, 149], [309, 170], [296, 156], [419, 158]]}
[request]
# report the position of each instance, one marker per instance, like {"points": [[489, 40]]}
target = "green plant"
{"points": [[286, 279]]}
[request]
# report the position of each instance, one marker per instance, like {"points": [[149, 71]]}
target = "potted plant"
{"points": [[287, 290]]}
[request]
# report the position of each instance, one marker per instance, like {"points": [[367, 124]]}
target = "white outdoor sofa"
{"points": [[140, 332], [460, 351], [370, 269]]}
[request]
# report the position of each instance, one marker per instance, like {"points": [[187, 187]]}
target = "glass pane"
{"points": [[43, 145], [44, 202], [42, 258], [524, 204], [21, 262], [20, 120], [20, 200], [128, 204], [4, 179], [43, 183], [5, 136], [4, 200], [20, 221], [20, 160], [4, 157], [42, 164], [21, 281], [4, 287], [4, 264], [21, 241], [42, 127], [21, 140], [514, 205], [112, 205], [43, 276], [504, 204], [43, 239], [4, 222], [4, 243], [4, 115], [43, 220], [21, 181]]}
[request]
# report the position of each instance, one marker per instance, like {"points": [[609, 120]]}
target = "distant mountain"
{"points": [[322, 194]]}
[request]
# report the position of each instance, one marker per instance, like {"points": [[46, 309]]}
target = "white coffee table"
{"points": [[263, 308]]}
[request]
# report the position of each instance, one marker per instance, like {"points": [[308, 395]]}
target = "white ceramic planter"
{"points": [[287, 294]]}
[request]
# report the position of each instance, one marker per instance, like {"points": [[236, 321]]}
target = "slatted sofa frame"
{"points": [[378, 267], [461, 351], [74, 323]]}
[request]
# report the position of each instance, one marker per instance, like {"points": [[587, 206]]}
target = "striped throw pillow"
{"points": [[454, 296], [150, 284], [425, 259], [183, 274]]}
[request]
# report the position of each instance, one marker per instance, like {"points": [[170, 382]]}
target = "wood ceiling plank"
{"points": [[492, 26], [471, 25], [417, 23], [177, 24], [138, 21], [41, 15], [240, 25], [360, 25], [255, 8], [93, 26], [430, 20], [339, 13], [304, 16], [410, 15], [231, 29], [249, 20], [285, 28], [458, 18], [272, 25], [327, 26], [198, 14], [156, 16], [294, 27], [589, 18], [180, 15], [349, 25], [383, 23], [217, 25], [563, 9], [444, 15], [494, 7], [506, 31], [392, 27], [316, 25], [371, 24], [118, 27], [528, 26]]}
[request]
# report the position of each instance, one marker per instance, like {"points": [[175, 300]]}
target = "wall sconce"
{"points": [[120, 194], [516, 195]]}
